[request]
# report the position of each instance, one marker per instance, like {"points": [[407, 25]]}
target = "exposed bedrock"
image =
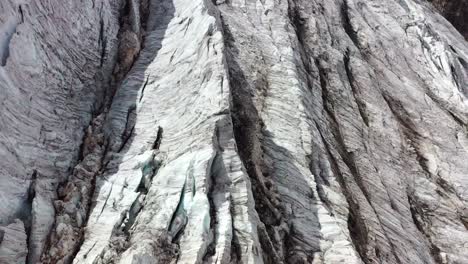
{"points": [[233, 131]]}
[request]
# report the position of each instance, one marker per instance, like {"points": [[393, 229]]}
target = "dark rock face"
{"points": [[456, 11], [240, 131]]}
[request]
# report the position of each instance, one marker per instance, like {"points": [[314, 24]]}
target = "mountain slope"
{"points": [[237, 131]]}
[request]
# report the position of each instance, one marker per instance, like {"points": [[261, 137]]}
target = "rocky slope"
{"points": [[232, 131]]}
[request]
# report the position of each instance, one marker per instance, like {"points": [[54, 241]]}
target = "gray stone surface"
{"points": [[237, 131]]}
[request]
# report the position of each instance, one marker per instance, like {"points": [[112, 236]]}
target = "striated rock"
{"points": [[240, 131]]}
